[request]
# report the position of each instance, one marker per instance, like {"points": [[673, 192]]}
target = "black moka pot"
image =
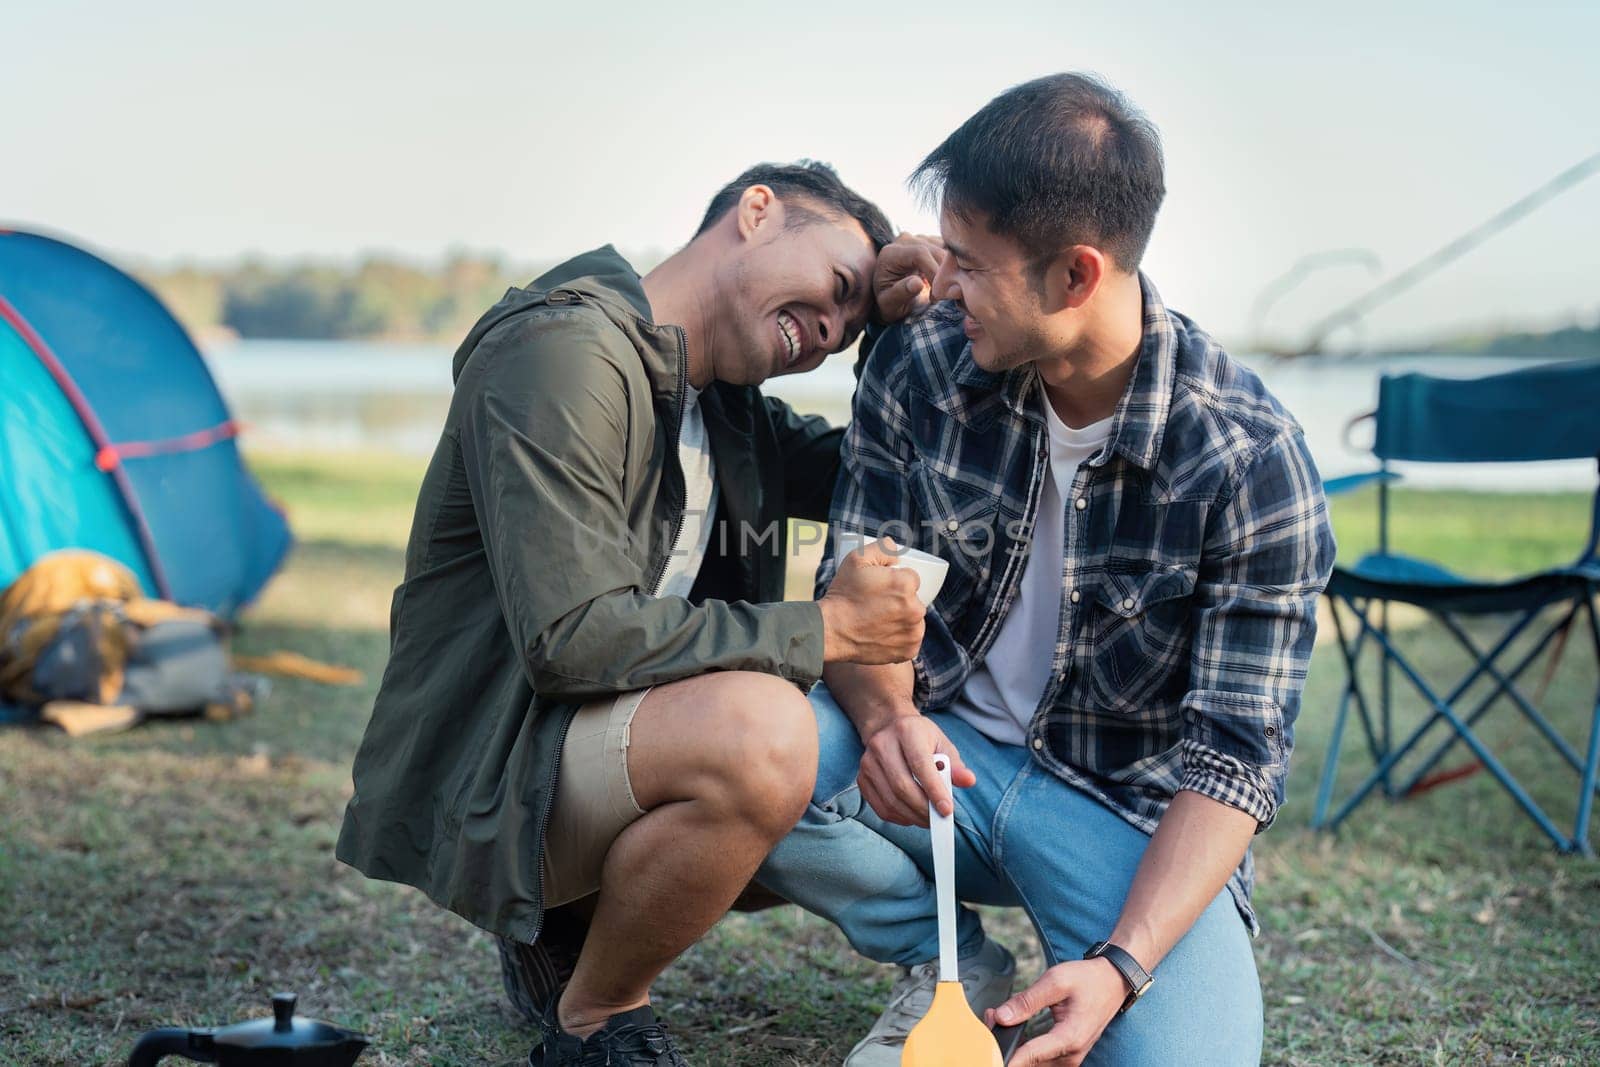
{"points": [[281, 1041]]}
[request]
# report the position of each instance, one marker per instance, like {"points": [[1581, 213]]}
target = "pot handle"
{"points": [[171, 1041]]}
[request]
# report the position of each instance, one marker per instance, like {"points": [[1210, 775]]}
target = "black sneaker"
{"points": [[534, 974], [632, 1039]]}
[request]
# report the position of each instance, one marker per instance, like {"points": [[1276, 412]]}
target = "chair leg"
{"points": [[1387, 683], [1376, 744], [1442, 709], [1505, 685], [1580, 831], [1353, 691], [1385, 762], [1330, 761], [1393, 757]]}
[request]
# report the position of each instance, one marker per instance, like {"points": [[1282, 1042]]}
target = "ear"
{"points": [[1085, 267], [758, 214]]}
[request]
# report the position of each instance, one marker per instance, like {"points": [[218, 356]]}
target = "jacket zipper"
{"points": [[672, 452]]}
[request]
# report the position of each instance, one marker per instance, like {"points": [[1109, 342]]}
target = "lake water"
{"points": [[358, 395]]}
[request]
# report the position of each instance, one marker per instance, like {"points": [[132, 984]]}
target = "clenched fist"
{"points": [[871, 613]]}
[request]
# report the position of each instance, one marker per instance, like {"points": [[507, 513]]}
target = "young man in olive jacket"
{"points": [[595, 694]]}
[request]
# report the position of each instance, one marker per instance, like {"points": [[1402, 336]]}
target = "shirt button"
{"points": [[1083, 502], [1076, 596], [952, 526], [1062, 648], [1127, 605], [1038, 743]]}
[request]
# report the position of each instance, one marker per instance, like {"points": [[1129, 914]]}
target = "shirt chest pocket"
{"points": [[1139, 636], [957, 522]]}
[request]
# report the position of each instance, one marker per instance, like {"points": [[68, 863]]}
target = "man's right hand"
{"points": [[897, 775], [871, 613], [902, 280]]}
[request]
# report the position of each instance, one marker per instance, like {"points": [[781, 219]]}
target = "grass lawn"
{"points": [[180, 873]]}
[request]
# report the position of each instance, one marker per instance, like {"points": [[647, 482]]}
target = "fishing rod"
{"points": [[1452, 251]]}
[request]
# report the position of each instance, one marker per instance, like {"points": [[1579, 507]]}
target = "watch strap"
{"points": [[1139, 980]]}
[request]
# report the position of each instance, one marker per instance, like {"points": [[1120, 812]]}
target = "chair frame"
{"points": [[1378, 729]]}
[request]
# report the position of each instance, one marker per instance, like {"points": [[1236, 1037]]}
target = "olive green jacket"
{"points": [[543, 525]]}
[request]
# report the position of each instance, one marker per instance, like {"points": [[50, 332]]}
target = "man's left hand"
{"points": [[902, 283], [1083, 997]]}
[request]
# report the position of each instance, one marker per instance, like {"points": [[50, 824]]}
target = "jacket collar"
{"points": [[603, 274]]}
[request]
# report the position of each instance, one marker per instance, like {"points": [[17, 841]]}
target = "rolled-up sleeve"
{"points": [[1269, 553]]}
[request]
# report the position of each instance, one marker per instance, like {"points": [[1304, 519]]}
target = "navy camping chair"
{"points": [[1542, 413]]}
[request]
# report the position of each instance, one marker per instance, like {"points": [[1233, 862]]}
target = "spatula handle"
{"points": [[943, 828]]}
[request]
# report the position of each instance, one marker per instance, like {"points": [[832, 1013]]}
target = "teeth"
{"points": [[787, 326]]}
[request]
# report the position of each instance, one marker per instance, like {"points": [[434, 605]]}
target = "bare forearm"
{"points": [[1191, 856], [1189, 859], [872, 696]]}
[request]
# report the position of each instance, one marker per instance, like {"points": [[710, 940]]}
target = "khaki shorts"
{"points": [[594, 799]]}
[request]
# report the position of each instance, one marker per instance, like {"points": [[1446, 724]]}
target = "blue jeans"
{"points": [[1026, 839]]}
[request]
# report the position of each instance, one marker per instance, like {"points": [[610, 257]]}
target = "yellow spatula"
{"points": [[949, 1035]]}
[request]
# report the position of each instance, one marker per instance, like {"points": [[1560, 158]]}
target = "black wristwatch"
{"points": [[1139, 980]]}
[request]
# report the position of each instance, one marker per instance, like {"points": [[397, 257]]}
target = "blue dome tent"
{"points": [[114, 437]]}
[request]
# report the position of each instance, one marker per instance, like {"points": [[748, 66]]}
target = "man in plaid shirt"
{"points": [[1137, 538]]}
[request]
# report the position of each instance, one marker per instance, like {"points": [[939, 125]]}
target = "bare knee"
{"points": [[762, 744]]}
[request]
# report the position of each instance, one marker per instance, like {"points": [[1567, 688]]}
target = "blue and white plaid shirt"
{"points": [[1196, 545]]}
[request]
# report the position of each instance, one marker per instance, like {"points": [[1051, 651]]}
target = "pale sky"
{"points": [[170, 130]]}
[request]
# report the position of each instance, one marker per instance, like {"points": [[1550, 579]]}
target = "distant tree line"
{"points": [[391, 299], [1568, 342], [377, 298]]}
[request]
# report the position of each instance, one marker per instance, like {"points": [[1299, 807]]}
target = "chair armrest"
{"points": [[1335, 486]]}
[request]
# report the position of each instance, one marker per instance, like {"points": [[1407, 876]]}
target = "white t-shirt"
{"points": [[1000, 697], [700, 501]]}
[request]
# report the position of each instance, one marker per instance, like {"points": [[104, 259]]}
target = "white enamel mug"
{"points": [[930, 569]]}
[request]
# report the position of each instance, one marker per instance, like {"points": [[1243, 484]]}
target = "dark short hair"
{"points": [[1054, 162], [807, 180]]}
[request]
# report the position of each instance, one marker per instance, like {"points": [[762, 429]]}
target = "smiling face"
{"points": [[795, 289], [997, 285]]}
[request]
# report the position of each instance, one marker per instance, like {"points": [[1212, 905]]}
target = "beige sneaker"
{"points": [[986, 978]]}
